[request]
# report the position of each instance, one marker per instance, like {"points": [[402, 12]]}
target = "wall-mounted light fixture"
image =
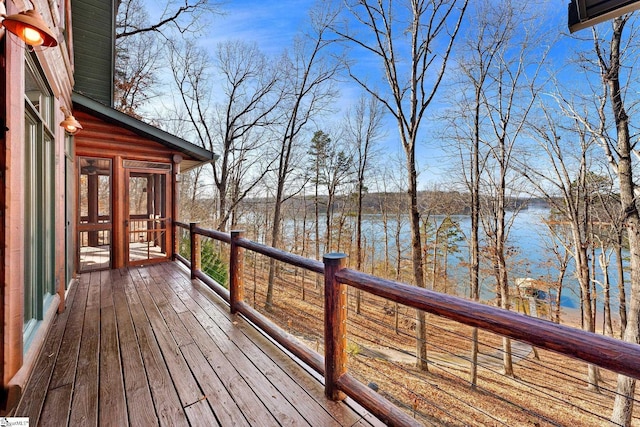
{"points": [[70, 124], [30, 27]]}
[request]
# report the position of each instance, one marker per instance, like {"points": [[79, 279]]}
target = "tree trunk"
{"points": [[622, 303], [416, 253], [434, 270], [359, 251], [623, 404], [584, 279], [607, 328]]}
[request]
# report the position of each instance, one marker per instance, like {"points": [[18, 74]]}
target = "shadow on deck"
{"points": [[147, 346]]}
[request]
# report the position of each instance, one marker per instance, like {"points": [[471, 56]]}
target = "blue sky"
{"points": [[271, 24]]}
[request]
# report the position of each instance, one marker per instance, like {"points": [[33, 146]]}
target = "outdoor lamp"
{"points": [[30, 27], [70, 124]]}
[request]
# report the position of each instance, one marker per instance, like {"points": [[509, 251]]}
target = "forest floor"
{"points": [[547, 389]]}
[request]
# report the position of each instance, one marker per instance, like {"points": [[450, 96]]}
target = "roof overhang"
{"points": [[195, 155], [587, 13]]}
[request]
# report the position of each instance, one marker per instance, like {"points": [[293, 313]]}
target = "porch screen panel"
{"points": [[94, 187], [148, 224]]}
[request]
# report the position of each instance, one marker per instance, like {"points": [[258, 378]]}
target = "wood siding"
{"points": [[55, 69], [93, 43], [101, 139]]}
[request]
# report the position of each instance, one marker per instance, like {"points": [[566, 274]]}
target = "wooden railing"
{"points": [[615, 355]]}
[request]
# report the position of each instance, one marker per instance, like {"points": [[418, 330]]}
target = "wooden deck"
{"points": [[146, 346]]}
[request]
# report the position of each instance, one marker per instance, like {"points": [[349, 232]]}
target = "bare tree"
{"points": [[138, 46], [478, 53], [612, 104], [619, 151], [234, 127], [557, 244], [183, 16], [609, 205], [514, 83], [427, 31], [249, 107], [363, 129], [610, 68], [137, 58], [565, 185], [307, 91], [500, 66]]}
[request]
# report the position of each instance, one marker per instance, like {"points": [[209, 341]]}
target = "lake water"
{"points": [[533, 257]]}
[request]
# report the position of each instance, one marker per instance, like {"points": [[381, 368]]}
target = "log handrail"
{"points": [[609, 353], [284, 256], [95, 227]]}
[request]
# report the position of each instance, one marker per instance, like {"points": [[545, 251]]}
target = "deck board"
{"points": [[171, 412], [35, 393], [139, 402], [147, 346], [84, 406], [66, 363], [113, 406]]}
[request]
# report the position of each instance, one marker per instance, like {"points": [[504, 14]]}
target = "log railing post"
{"points": [[236, 272], [175, 239], [195, 249], [335, 325]]}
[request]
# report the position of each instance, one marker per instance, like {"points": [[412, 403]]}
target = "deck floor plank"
{"points": [[34, 397], [66, 363], [255, 366], [160, 277], [296, 379], [169, 309], [171, 413], [186, 386], [201, 304], [57, 407], [269, 395], [227, 411], [84, 407], [138, 395], [113, 406], [201, 415], [250, 405], [147, 346]]}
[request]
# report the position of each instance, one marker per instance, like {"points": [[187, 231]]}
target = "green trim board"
{"points": [[94, 48]]}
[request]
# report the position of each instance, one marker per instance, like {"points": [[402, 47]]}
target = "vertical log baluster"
{"points": [[236, 272], [195, 249], [335, 325]]}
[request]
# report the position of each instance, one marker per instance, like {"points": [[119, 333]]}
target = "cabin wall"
{"points": [[54, 68]]}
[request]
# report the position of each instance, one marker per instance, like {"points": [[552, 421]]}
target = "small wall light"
{"points": [[70, 124], [30, 27]]}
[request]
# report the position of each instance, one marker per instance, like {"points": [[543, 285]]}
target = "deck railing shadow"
{"points": [[608, 353]]}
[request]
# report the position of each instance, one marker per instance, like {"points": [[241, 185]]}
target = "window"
{"points": [[39, 197]]}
